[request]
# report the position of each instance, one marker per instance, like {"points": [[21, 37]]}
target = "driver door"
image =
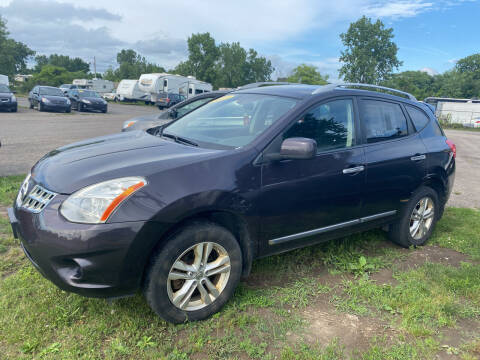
{"points": [[304, 200]]}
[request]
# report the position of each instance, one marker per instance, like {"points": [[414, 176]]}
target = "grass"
{"points": [[266, 315]]}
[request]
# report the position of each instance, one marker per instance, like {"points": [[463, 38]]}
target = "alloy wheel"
{"points": [[198, 276], [422, 217]]}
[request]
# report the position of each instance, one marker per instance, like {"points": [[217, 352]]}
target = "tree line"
{"points": [[369, 55]]}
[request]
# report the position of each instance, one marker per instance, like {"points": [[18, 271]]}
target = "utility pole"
{"points": [[95, 67]]}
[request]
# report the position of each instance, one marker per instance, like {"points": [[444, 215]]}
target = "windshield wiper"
{"points": [[179, 139]]}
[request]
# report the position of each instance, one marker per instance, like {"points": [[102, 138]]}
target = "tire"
{"points": [[15, 109], [161, 292], [40, 106], [31, 105], [79, 107], [69, 110], [401, 231]]}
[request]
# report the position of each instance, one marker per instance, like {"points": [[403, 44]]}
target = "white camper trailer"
{"points": [[99, 85], [161, 83], [128, 90], [4, 80]]}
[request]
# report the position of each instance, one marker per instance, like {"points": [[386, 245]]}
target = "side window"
{"points": [[165, 83], [419, 119], [330, 124], [190, 91], [382, 120]]}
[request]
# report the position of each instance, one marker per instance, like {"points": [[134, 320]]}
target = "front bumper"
{"points": [[9, 106], [101, 260], [94, 107], [56, 107]]}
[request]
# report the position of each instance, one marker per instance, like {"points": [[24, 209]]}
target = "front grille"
{"points": [[37, 199], [4, 99]]}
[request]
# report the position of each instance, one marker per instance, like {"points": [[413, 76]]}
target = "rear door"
{"points": [[319, 195], [395, 156]]}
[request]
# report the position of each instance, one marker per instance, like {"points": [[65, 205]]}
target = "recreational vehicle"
{"points": [[4, 80], [99, 85], [156, 85], [456, 111], [128, 90]]}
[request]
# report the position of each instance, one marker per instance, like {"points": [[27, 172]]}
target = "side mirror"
{"points": [[295, 148], [172, 114]]}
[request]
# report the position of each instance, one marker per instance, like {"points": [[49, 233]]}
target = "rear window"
{"points": [[382, 120], [419, 119]]}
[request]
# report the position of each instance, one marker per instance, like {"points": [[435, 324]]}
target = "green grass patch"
{"points": [[9, 186], [425, 299], [459, 229]]}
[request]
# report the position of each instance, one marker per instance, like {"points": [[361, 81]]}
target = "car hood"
{"points": [[5, 94], [72, 167]]}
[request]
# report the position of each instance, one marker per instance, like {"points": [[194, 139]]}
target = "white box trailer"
{"points": [[456, 111], [128, 90], [99, 85], [4, 80], [161, 83]]}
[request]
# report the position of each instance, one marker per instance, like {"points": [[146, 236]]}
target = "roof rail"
{"points": [[264, 83], [377, 87]]}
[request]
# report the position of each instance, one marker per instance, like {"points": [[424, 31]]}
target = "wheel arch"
{"points": [[233, 222]]}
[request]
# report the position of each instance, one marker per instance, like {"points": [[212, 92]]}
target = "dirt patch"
{"points": [[325, 324], [466, 330]]}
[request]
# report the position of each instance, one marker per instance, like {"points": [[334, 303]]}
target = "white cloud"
{"points": [[397, 9], [429, 71]]}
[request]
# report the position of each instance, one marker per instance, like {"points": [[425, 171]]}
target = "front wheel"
{"points": [[194, 274], [79, 107], [417, 219]]}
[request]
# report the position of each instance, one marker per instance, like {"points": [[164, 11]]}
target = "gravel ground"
{"points": [[466, 192], [28, 135]]}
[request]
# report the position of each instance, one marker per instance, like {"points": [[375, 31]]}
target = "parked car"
{"points": [[8, 101], [87, 100], [180, 211], [167, 100], [66, 87], [48, 98], [110, 96], [175, 112]]}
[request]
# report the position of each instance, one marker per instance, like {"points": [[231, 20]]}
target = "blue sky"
{"points": [[431, 34]]}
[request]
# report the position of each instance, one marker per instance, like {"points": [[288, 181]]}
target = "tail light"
{"points": [[168, 100], [452, 147]]}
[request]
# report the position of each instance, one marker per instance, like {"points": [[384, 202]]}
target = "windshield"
{"points": [[51, 91], [87, 93], [231, 121], [4, 88]]}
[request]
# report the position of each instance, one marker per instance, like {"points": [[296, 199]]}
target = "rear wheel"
{"points": [[31, 105], [417, 219], [194, 274]]}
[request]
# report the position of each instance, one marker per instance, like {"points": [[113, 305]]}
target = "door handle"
{"points": [[354, 170], [418, 157]]}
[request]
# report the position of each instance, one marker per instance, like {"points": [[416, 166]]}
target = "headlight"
{"points": [[45, 100], [128, 123], [13, 98], [94, 204], [23, 191], [68, 101], [87, 101]]}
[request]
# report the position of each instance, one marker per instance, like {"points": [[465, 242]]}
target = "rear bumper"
{"points": [[101, 260]]}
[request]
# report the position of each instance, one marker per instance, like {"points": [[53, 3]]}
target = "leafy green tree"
{"points": [[418, 83], [469, 64], [51, 75], [307, 74], [370, 55], [203, 54], [70, 64], [260, 69], [13, 55], [232, 66], [131, 66]]}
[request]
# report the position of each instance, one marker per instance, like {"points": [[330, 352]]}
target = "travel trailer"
{"points": [[456, 111], [156, 85], [128, 90], [4, 80], [99, 85]]}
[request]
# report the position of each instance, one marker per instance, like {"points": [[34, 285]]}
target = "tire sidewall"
{"points": [[156, 284]]}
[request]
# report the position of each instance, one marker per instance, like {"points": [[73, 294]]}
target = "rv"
{"points": [[157, 85], [456, 111], [99, 85], [128, 90], [4, 80]]}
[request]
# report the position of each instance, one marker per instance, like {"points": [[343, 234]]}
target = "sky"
{"points": [[431, 35]]}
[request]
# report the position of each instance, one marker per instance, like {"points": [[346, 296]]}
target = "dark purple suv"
{"points": [[181, 211]]}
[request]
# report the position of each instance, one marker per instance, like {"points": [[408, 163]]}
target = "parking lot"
{"points": [[28, 135]]}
